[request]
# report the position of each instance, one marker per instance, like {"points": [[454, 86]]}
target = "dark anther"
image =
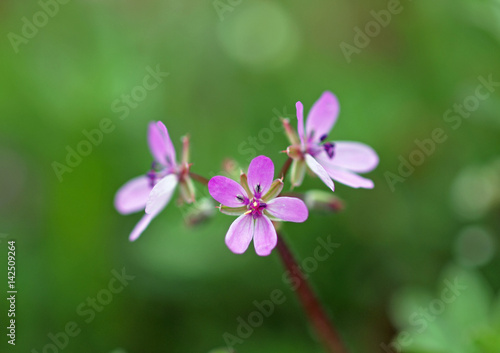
{"points": [[329, 148], [152, 177], [323, 138]]}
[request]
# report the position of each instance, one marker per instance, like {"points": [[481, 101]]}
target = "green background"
{"points": [[230, 75]]}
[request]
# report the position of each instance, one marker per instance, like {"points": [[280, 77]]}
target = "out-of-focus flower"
{"points": [[256, 203], [154, 190], [340, 161]]}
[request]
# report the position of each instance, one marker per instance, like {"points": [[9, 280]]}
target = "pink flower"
{"points": [[154, 190], [256, 203], [340, 161]]}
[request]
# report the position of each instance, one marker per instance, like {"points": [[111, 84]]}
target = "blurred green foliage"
{"points": [[226, 81]]}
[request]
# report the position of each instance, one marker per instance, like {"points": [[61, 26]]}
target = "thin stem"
{"points": [[286, 166], [315, 312], [199, 178]]}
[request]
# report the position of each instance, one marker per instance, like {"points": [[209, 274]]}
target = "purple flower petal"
{"points": [[264, 237], [141, 226], [160, 144], [161, 194], [349, 178], [354, 156], [319, 171], [260, 175], [240, 234], [290, 209], [322, 116], [168, 143], [132, 196], [300, 121], [157, 144], [227, 191]]}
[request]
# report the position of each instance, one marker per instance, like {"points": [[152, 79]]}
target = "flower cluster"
{"points": [[256, 200]]}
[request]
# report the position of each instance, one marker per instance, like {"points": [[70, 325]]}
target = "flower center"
{"points": [[256, 207], [157, 172], [314, 148]]}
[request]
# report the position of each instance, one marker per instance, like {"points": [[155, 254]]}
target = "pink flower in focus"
{"points": [[340, 161], [256, 203], [153, 191]]}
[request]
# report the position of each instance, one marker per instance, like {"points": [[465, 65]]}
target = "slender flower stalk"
{"points": [[198, 178], [315, 312], [286, 166]]}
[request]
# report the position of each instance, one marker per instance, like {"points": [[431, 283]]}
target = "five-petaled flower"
{"points": [[154, 190], [340, 161], [256, 203]]}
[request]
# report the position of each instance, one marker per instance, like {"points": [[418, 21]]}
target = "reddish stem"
{"points": [[286, 166], [315, 312], [199, 178], [317, 316]]}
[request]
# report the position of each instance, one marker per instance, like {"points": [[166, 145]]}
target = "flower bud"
{"points": [[324, 201], [187, 190], [290, 132], [298, 171], [200, 212]]}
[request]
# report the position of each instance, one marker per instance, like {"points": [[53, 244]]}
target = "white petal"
{"points": [[349, 178], [141, 226], [319, 171], [161, 194]]}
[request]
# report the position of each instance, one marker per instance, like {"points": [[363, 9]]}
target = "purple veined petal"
{"points": [[240, 234], [227, 191], [264, 237], [354, 156], [132, 196], [161, 194], [290, 209], [141, 226], [349, 178], [260, 175], [168, 144], [322, 116], [319, 171], [300, 122]]}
